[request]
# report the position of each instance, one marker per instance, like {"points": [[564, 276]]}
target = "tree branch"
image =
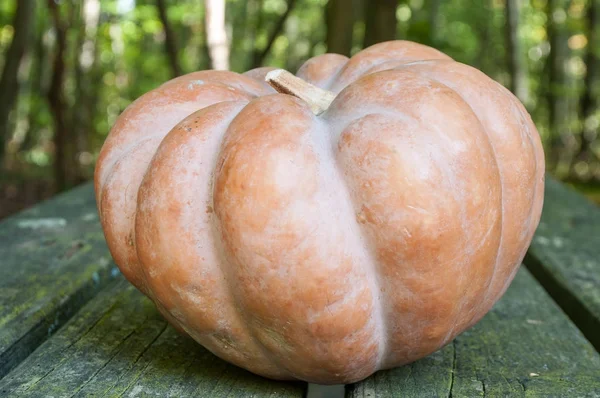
{"points": [[9, 85], [56, 99], [259, 56], [216, 34], [170, 40], [514, 59], [587, 104], [339, 15], [380, 21]]}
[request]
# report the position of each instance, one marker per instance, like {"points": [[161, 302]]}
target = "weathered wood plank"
{"points": [[525, 346], [53, 259], [565, 256], [118, 345], [429, 377]]}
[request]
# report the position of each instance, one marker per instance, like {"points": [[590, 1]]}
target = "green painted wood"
{"points": [[53, 259], [119, 346], [525, 347], [565, 256]]}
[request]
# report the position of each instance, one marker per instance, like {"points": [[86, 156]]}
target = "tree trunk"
{"points": [[39, 79], [589, 100], [557, 106], [57, 102], [170, 39], [340, 16], [85, 77], [380, 21], [517, 65], [260, 55], [9, 84], [259, 18], [483, 28], [239, 35], [77, 115], [434, 21], [216, 34], [562, 143]]}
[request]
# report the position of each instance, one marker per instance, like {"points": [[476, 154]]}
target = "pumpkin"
{"points": [[320, 227]]}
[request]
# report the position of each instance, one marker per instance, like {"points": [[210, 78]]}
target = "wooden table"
{"points": [[70, 325]]}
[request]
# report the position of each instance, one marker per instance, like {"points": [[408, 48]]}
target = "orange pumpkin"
{"points": [[359, 224]]}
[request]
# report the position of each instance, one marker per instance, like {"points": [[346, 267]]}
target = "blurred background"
{"points": [[70, 67]]}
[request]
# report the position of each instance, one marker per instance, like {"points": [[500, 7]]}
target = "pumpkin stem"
{"points": [[286, 83]]}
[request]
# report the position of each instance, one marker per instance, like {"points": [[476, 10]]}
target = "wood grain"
{"points": [[526, 346], [53, 259], [565, 256], [58, 339], [118, 345]]}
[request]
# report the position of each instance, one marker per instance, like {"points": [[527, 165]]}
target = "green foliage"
{"points": [[129, 58]]}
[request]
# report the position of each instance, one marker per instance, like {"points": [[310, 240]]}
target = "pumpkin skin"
{"points": [[324, 248]]}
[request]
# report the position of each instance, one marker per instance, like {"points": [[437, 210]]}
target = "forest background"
{"points": [[70, 67]]}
